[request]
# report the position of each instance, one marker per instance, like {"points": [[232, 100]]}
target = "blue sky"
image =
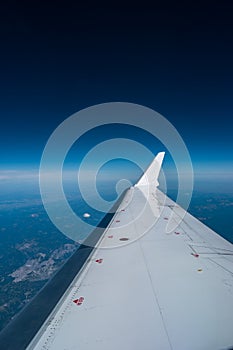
{"points": [[174, 58]]}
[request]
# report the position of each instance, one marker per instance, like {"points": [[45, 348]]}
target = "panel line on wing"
{"points": [[155, 294]]}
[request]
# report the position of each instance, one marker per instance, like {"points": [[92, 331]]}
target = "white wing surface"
{"points": [[144, 288]]}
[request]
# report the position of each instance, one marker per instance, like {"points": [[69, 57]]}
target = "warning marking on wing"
{"points": [[195, 255], [99, 261], [79, 301]]}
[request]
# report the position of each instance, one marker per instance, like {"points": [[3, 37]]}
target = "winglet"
{"points": [[150, 177]]}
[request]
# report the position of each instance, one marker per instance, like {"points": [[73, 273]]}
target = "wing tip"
{"points": [[160, 157], [150, 176]]}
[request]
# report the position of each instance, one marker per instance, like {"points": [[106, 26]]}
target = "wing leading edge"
{"points": [[146, 288]]}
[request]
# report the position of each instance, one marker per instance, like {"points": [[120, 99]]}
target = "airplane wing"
{"points": [[145, 287]]}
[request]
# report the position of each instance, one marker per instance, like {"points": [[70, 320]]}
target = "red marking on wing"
{"points": [[99, 261], [117, 220], [78, 301], [110, 236], [195, 255]]}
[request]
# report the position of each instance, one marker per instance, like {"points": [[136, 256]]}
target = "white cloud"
{"points": [[17, 175]]}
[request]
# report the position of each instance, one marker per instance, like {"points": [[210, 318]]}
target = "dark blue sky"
{"points": [[59, 57]]}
